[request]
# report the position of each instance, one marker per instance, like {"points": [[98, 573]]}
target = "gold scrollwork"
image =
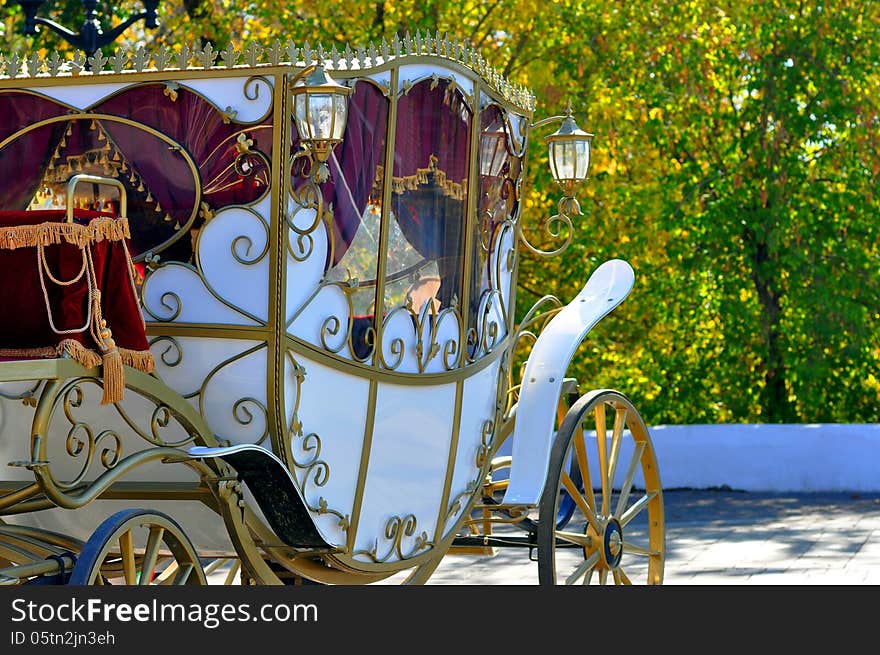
{"points": [[426, 325], [98, 455], [307, 196], [305, 453], [396, 528], [240, 248], [332, 325], [554, 227]]}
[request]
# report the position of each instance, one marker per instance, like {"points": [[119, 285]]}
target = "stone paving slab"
{"points": [[725, 537]]}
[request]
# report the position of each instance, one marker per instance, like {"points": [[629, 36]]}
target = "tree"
{"points": [[735, 167]]}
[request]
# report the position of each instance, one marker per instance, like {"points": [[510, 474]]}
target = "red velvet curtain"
{"points": [[23, 162], [433, 129], [355, 162]]}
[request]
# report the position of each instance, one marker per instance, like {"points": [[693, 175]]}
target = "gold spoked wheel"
{"points": [[601, 513], [138, 547]]}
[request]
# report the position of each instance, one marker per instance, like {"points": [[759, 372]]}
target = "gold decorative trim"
{"points": [[425, 176], [124, 61], [396, 528], [142, 360], [50, 234]]}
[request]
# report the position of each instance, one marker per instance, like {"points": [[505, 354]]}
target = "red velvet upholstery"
{"points": [[25, 331]]}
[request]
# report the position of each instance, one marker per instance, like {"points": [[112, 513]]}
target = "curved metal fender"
{"points": [[274, 490], [533, 429]]}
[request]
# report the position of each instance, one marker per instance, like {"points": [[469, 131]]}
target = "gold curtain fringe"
{"points": [[423, 177], [48, 234], [111, 363]]}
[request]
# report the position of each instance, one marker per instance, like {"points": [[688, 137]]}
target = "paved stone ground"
{"points": [[723, 537]]}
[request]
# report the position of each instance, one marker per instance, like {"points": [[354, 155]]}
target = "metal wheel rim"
{"points": [[112, 550], [609, 551]]}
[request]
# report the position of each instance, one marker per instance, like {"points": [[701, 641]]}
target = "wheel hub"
{"points": [[612, 543]]}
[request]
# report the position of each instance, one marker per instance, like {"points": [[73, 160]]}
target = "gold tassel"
{"points": [[114, 375]]}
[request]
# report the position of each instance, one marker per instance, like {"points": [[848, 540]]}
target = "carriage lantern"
{"points": [[320, 109], [569, 149]]}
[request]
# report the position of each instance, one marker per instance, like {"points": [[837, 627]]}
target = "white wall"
{"points": [[771, 457]]}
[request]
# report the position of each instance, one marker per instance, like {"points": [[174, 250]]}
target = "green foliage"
{"points": [[735, 167]]}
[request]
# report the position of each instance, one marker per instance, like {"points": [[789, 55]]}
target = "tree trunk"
{"points": [[774, 397]]}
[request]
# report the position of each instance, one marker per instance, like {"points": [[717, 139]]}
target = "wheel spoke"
{"points": [[151, 554], [601, 442], [621, 578], [630, 547], [126, 551], [588, 577], [637, 507], [216, 564], [603, 577], [183, 576], [616, 439], [581, 502], [233, 571], [584, 466], [584, 566], [166, 577], [626, 487], [575, 538]]}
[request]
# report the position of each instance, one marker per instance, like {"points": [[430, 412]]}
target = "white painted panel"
{"points": [[175, 288], [251, 100], [204, 527], [234, 258], [81, 96], [15, 433], [607, 287], [516, 123], [383, 78], [306, 269], [408, 460], [478, 407], [16, 388], [184, 363], [416, 72], [317, 318], [333, 407], [234, 401]]}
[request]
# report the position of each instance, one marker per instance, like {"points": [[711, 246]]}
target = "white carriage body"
{"points": [[255, 326]]}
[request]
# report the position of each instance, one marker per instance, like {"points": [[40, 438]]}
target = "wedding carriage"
{"points": [[254, 316]]}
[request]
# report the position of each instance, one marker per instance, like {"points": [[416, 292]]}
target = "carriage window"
{"points": [[428, 197], [355, 191], [500, 166]]}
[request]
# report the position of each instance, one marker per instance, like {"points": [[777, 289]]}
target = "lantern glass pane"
{"points": [[340, 105], [320, 115], [570, 160], [582, 156], [300, 115]]}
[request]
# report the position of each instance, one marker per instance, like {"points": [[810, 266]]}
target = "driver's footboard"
{"points": [[274, 490]]}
